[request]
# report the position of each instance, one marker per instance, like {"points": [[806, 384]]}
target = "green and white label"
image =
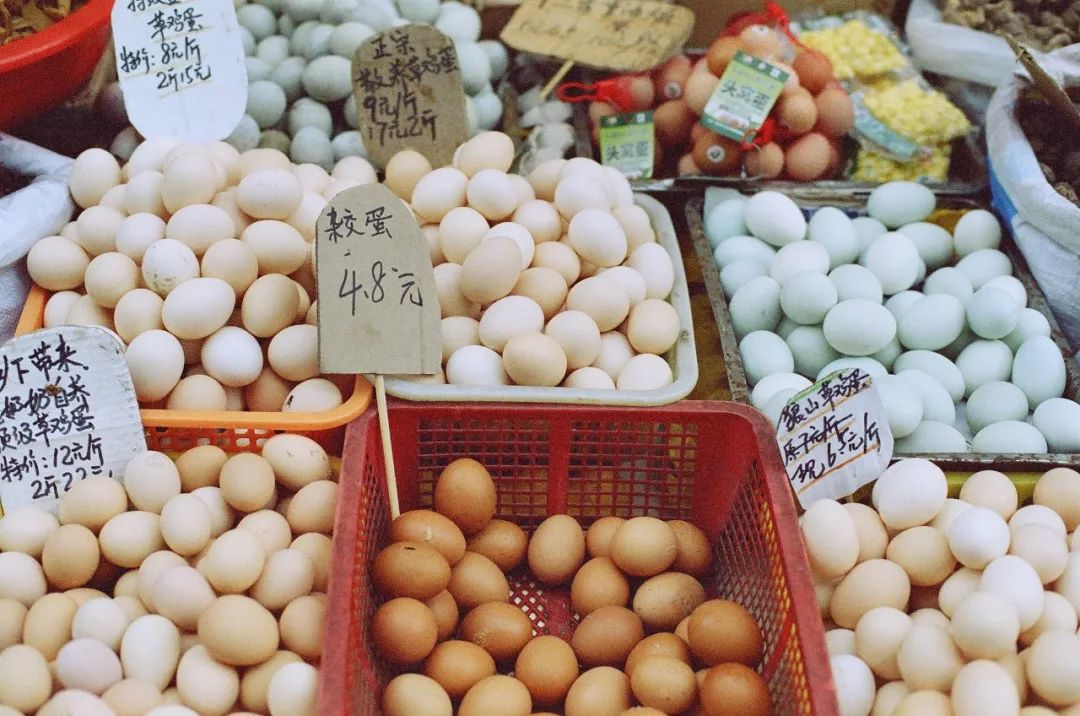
{"points": [[626, 143], [745, 96], [886, 140]]}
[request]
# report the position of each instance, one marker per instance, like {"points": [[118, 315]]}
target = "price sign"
{"points": [[622, 35], [746, 94], [834, 437], [409, 95], [378, 311], [627, 143], [68, 411], [181, 67]]}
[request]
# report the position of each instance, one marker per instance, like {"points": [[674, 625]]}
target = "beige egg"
{"points": [[543, 285], [491, 270], [636, 224], [269, 193], [873, 583], [25, 529], [137, 312], [25, 681], [541, 218], [70, 556], [559, 257], [189, 179], [301, 625], [267, 393], [318, 547], [228, 157], [238, 631], [458, 331], [199, 226], [234, 561], [185, 525], [221, 515], [448, 288], [404, 170], [156, 361], [294, 353], [438, 192], [545, 177], [150, 650], [632, 282], [508, 317], [878, 636], [206, 685], [574, 194], [47, 625], [589, 379], [1059, 489], [151, 479], [256, 679], [142, 194], [492, 193], [602, 299], [832, 542], [181, 594], [12, 617], [226, 201], [200, 466], [278, 247], [127, 539], [89, 665], [487, 150], [356, 169], [57, 308], [270, 527], [924, 554], [131, 604], [86, 312], [314, 395], [269, 305], [928, 658], [990, 489], [288, 575], [653, 326], [94, 172], [597, 237], [654, 263], [534, 359], [521, 237], [293, 689], [247, 482], [198, 307], [578, 336], [114, 198], [56, 263], [312, 508], [137, 232], [197, 392], [305, 216], [232, 356], [460, 231], [96, 229], [615, 353], [297, 460], [131, 697]]}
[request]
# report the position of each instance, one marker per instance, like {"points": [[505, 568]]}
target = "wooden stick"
{"points": [[550, 86], [387, 447]]}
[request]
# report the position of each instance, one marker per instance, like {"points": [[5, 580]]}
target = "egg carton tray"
{"points": [[682, 357], [970, 462], [711, 463]]}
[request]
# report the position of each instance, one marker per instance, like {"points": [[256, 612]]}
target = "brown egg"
{"points": [[431, 529], [544, 285], [797, 112], [503, 542], [722, 631], [599, 110], [672, 121], [807, 158], [412, 694], [458, 665], [70, 556], [721, 53], [699, 87], [502, 695], [500, 628], [598, 537], [465, 493], [247, 482], [598, 583], [606, 637], [835, 112], [603, 691], [644, 546], [404, 630], [814, 69], [693, 551], [548, 667], [683, 630], [445, 609], [836, 159], [661, 644], [410, 569], [670, 77], [47, 625], [665, 683], [766, 161], [641, 92], [475, 580], [716, 154], [735, 690], [666, 599], [556, 550]]}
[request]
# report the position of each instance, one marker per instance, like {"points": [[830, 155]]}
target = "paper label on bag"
{"points": [[744, 97], [834, 437], [409, 95], [68, 410], [621, 35], [181, 67], [378, 311], [627, 143]]}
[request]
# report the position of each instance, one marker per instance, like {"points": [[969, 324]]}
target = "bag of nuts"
{"points": [[1035, 181]]}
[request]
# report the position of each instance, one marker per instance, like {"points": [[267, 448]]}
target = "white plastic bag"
{"points": [[31, 213], [1045, 225]]}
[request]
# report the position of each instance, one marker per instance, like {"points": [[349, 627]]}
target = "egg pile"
{"points": [[812, 114], [936, 318], [448, 619], [555, 279], [299, 66], [200, 258], [961, 607], [191, 588]]}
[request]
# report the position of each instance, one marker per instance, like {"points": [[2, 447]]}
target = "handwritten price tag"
{"points": [[409, 95], [622, 35], [834, 437], [378, 311], [68, 412], [745, 96], [181, 67]]}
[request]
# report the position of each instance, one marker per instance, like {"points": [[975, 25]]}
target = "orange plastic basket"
{"points": [[714, 464], [190, 427]]}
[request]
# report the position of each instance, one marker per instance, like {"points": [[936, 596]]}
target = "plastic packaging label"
{"points": [[627, 143], [746, 94]]}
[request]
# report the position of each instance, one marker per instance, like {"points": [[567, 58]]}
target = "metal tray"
{"points": [[736, 374], [682, 358]]}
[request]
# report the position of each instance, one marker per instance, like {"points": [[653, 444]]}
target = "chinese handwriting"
{"points": [[173, 54]]}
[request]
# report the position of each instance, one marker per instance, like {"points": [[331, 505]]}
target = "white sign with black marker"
{"points": [[834, 437]]}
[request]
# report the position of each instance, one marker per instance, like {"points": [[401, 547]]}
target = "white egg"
{"points": [[867, 365], [931, 322], [982, 265], [992, 312], [983, 362], [168, 263], [859, 327], [232, 357], [807, 297], [476, 365], [854, 281], [937, 366], [933, 243], [903, 406], [900, 202], [755, 306], [764, 353], [950, 280], [725, 220], [1058, 420], [937, 405], [978, 229], [156, 361], [832, 228], [774, 218], [1009, 436], [1039, 370], [810, 350], [797, 257], [895, 261], [932, 437], [743, 248]]}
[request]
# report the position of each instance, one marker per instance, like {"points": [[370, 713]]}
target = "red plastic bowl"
{"points": [[41, 71]]}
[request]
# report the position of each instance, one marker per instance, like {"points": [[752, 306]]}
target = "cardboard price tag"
{"points": [[746, 94], [69, 412], [834, 437], [409, 95], [621, 35], [181, 67], [378, 311], [627, 143]]}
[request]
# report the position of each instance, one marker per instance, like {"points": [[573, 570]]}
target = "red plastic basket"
{"points": [[714, 464]]}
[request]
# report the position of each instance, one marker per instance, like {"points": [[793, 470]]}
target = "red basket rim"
{"points": [[56, 38]]}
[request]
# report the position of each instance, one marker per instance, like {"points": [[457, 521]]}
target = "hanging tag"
{"points": [[834, 437], [181, 67], [626, 143], [744, 97], [409, 95], [69, 412], [378, 311]]}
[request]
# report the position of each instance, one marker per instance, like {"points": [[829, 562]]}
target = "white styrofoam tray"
{"points": [[682, 357]]}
